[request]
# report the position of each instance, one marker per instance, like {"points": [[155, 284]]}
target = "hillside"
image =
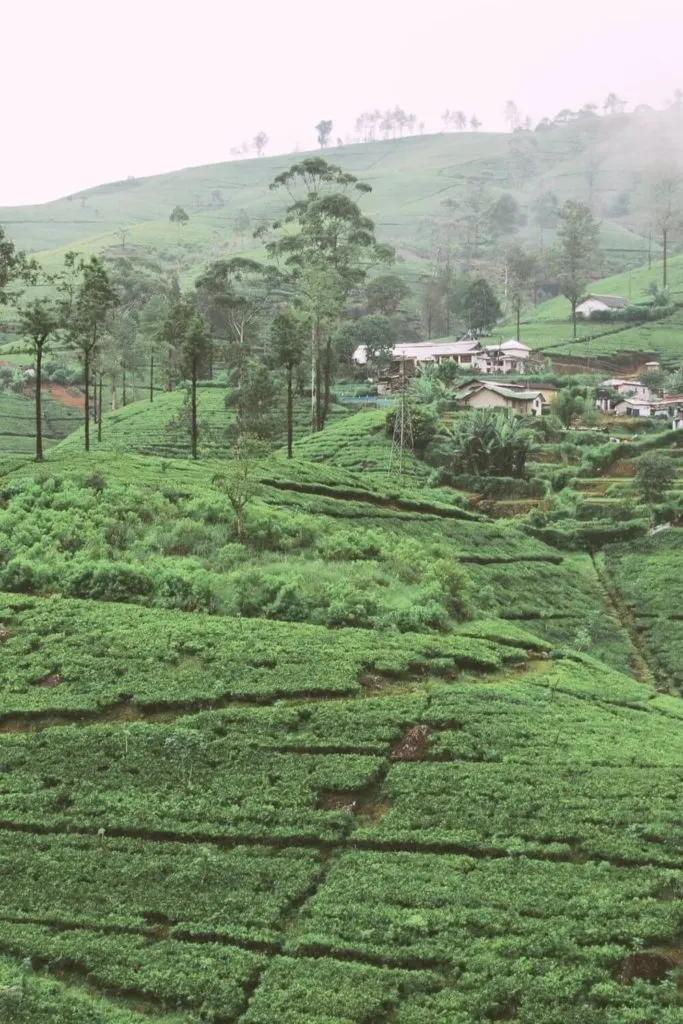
{"points": [[594, 160], [354, 766], [547, 327]]}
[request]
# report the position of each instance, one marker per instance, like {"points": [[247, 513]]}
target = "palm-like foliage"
{"points": [[674, 383], [427, 388], [488, 442]]}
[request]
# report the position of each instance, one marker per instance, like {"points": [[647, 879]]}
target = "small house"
{"points": [[487, 395], [620, 386], [510, 357], [600, 304], [635, 407]]}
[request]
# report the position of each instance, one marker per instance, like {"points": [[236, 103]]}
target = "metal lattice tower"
{"points": [[403, 430]]}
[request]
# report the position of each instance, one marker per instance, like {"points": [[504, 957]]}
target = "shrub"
{"points": [[186, 593], [345, 545], [188, 537], [107, 582], [491, 487], [416, 616], [655, 473], [230, 556], [351, 606], [96, 481], [424, 421], [266, 529], [455, 584], [21, 577], [270, 595]]}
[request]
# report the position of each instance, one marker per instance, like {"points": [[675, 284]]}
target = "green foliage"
{"points": [[487, 442], [654, 475], [385, 293], [578, 235], [424, 423], [447, 817], [480, 307], [567, 406]]}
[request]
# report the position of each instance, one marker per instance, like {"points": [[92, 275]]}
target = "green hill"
{"points": [[594, 159]]}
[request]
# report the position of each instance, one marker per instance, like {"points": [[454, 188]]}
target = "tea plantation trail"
{"points": [[644, 665]]}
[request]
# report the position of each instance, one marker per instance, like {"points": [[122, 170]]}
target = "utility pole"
{"points": [[403, 430]]}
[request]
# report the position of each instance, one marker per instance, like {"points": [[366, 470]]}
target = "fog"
{"points": [[95, 93]]}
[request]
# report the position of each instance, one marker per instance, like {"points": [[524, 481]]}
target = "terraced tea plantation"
{"points": [[375, 761]]}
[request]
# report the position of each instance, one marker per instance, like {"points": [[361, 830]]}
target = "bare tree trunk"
{"points": [[124, 399], [318, 381], [99, 409], [113, 396], [518, 319], [665, 238], [313, 379], [86, 370], [290, 412], [194, 408], [39, 396], [151, 377], [327, 378], [574, 301]]}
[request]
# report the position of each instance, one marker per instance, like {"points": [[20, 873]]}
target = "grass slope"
{"points": [[548, 326], [410, 178], [17, 422], [162, 428]]}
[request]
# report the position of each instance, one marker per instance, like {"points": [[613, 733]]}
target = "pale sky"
{"points": [[94, 91]]}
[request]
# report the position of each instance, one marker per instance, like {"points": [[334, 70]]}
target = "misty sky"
{"points": [[95, 92]]}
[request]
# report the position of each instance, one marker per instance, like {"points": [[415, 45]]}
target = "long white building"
{"points": [[510, 357]]}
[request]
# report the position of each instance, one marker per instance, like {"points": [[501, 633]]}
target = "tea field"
{"points": [[373, 759]]}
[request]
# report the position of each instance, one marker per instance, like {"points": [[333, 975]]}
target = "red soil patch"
{"points": [[413, 746], [622, 468], [339, 802], [54, 679], [64, 397], [651, 966], [71, 399]]}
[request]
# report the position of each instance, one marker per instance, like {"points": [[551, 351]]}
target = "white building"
{"points": [[664, 408], [509, 357], [600, 304], [621, 386], [635, 407]]}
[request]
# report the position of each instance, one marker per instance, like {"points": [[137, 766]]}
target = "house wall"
{"points": [[490, 400], [626, 409], [590, 306], [486, 400], [635, 389]]}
